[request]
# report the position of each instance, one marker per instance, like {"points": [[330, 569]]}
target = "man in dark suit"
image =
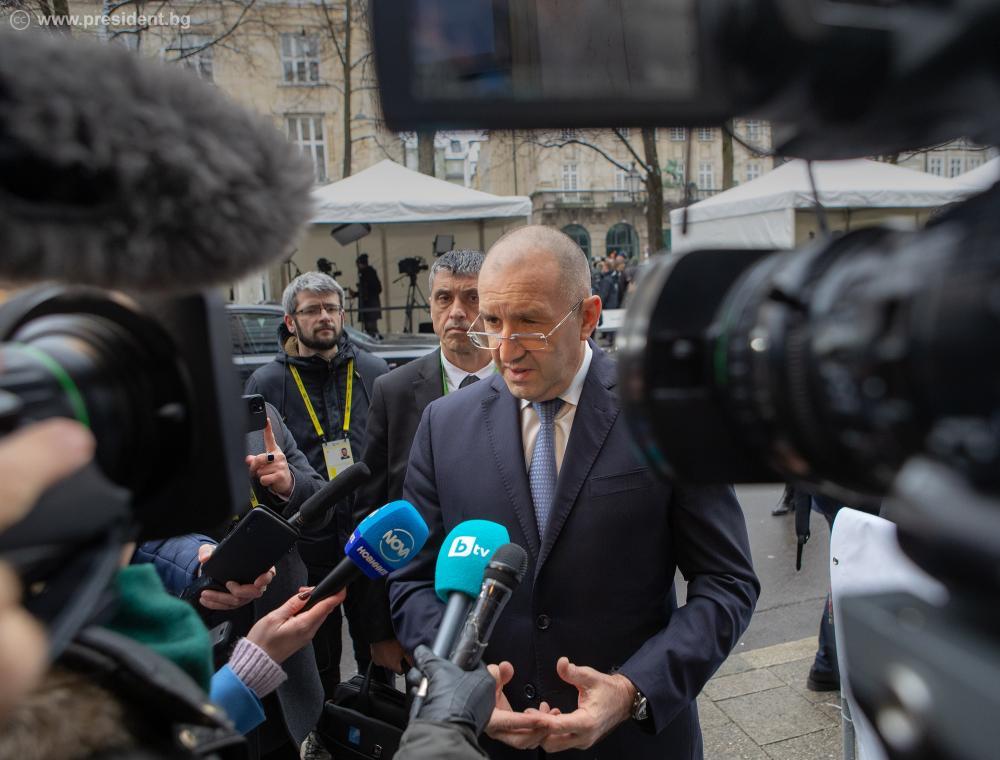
{"points": [[398, 400], [592, 653]]}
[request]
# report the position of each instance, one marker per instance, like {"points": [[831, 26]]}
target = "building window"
{"points": [[935, 165], [569, 134], [678, 134], [300, 58], [625, 132], [194, 51], [706, 134], [622, 238], [973, 162], [753, 129], [753, 170], [454, 168], [307, 133], [456, 146], [706, 175], [955, 166], [570, 182], [580, 236], [621, 186]]}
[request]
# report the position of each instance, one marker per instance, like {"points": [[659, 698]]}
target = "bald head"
{"points": [[530, 246]]}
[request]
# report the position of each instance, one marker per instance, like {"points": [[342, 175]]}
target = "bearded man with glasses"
{"points": [[592, 654], [321, 384]]}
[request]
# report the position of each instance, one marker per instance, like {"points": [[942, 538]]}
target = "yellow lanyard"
{"points": [[309, 406]]}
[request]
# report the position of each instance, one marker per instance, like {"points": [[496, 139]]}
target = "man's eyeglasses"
{"points": [[527, 341], [315, 309]]}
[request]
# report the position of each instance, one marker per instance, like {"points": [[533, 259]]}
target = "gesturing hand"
{"points": [[238, 594], [604, 702], [271, 467], [520, 730]]}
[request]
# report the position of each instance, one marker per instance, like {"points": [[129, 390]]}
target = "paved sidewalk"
{"points": [[757, 707]]}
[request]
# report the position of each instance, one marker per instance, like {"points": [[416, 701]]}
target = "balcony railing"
{"points": [[599, 199]]}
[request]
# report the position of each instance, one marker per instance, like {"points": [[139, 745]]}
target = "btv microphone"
{"points": [[459, 574], [316, 506], [384, 541], [501, 578], [120, 172]]}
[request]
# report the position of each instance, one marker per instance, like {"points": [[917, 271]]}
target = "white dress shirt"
{"points": [[455, 375], [563, 421]]}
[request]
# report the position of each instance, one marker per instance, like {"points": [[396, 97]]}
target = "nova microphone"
{"points": [[316, 506], [123, 173], [501, 578], [384, 541]]}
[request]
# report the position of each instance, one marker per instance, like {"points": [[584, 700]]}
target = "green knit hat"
{"points": [[148, 614]]}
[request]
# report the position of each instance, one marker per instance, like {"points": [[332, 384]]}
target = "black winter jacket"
{"points": [[326, 384]]}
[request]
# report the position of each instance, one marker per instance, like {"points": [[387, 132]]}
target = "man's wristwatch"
{"points": [[640, 707]]}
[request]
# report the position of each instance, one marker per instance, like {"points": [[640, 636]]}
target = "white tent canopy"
{"points": [[762, 213], [390, 193], [983, 176]]}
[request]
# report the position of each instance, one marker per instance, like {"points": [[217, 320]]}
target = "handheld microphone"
{"points": [[316, 506], [384, 541], [457, 578], [459, 574], [501, 578], [214, 193]]}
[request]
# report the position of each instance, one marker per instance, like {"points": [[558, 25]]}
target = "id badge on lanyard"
{"points": [[337, 454]]}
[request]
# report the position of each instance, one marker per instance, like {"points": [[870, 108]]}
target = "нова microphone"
{"points": [[501, 578], [384, 541]]}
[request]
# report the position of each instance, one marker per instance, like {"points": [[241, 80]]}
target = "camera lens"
{"points": [[104, 365]]}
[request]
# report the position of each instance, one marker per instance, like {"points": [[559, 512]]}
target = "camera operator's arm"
{"points": [[36, 457], [458, 704]]}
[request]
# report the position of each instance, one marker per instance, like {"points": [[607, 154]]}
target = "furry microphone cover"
{"points": [[120, 172]]}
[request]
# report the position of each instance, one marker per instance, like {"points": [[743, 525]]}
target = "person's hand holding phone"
{"points": [[236, 594]]}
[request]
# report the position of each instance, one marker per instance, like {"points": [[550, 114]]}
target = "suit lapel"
{"points": [[427, 387], [501, 412], [595, 415]]}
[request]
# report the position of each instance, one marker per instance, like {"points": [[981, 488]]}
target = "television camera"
{"points": [[866, 365]]}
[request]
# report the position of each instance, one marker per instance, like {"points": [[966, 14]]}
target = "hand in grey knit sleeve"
{"points": [[254, 668]]}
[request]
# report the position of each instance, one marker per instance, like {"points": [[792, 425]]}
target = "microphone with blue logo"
{"points": [[384, 541]]}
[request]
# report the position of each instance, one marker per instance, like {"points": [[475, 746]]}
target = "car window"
{"points": [[255, 333]]}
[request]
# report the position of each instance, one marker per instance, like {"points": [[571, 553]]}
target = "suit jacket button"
{"points": [[543, 622], [529, 691]]}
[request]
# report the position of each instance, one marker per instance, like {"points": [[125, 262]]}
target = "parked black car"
{"points": [[255, 339]]}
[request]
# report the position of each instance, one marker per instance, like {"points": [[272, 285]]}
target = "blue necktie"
{"points": [[542, 472]]}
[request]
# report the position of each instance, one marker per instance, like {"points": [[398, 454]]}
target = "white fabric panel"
{"points": [[865, 558], [768, 229], [390, 193], [981, 177]]}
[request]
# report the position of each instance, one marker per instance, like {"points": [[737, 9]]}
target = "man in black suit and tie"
{"points": [[398, 400], [592, 654]]}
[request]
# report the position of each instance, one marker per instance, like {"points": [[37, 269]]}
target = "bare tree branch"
{"points": [[636, 156], [188, 52]]}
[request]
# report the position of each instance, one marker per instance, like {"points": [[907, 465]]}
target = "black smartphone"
{"points": [[256, 412], [258, 541]]}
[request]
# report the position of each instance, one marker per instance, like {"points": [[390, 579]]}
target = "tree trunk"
{"points": [[654, 190], [425, 152], [727, 154], [347, 89]]}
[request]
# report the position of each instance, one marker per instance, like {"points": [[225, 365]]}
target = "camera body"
{"points": [[412, 266]]}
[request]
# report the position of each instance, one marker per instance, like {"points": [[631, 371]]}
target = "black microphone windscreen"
{"points": [[509, 561], [121, 172], [346, 483]]}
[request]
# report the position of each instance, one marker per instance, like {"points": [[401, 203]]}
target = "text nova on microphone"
{"points": [[387, 539]]}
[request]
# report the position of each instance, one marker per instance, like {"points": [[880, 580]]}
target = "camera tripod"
{"points": [[414, 298]]}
